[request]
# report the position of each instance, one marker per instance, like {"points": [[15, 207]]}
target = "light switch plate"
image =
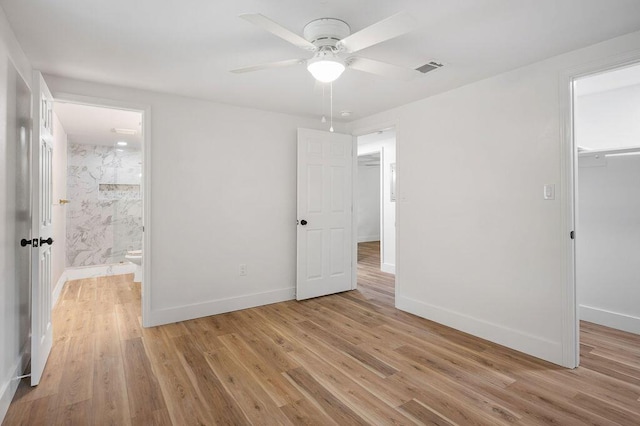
{"points": [[549, 191]]}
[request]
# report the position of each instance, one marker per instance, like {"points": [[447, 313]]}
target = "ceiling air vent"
{"points": [[429, 66]]}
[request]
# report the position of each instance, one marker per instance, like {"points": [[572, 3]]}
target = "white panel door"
{"points": [[41, 325], [324, 258]]}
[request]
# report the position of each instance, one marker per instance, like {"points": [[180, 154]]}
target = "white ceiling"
{"points": [[91, 125], [187, 47]]}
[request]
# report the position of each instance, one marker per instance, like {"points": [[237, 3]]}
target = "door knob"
{"points": [[24, 242], [47, 241], [303, 222]]}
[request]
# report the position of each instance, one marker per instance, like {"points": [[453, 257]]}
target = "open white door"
{"points": [[324, 261], [41, 188]]}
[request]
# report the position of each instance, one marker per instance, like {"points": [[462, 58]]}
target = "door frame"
{"points": [[145, 110], [568, 187], [356, 132]]}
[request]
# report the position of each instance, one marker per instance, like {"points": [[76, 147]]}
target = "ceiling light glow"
{"points": [[325, 67], [124, 131]]}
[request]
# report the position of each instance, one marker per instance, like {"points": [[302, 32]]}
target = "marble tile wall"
{"points": [[104, 217]]}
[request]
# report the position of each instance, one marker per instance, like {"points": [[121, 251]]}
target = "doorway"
{"points": [[376, 211], [607, 179], [98, 194]]}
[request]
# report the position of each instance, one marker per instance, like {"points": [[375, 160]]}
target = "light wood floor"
{"points": [[350, 358]]}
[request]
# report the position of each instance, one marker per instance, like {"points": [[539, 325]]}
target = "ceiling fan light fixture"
{"points": [[325, 68]]}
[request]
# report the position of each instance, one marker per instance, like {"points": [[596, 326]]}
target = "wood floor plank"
{"points": [[78, 413], [355, 370], [222, 407], [269, 377], [424, 414], [353, 350], [183, 403], [110, 403], [349, 358], [254, 402], [261, 343], [254, 320], [76, 383], [331, 405], [453, 366], [128, 324], [554, 404], [603, 408], [143, 390], [435, 381], [206, 337], [357, 398], [304, 412], [43, 411], [72, 289]]}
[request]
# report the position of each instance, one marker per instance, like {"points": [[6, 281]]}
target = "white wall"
{"points": [[223, 193], [58, 250], [478, 247], [368, 202], [608, 119], [608, 243], [10, 298], [386, 143]]}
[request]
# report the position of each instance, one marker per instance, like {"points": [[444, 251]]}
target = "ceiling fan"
{"points": [[333, 46]]}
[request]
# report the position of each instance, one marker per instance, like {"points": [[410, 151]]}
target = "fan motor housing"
{"points": [[326, 31]]}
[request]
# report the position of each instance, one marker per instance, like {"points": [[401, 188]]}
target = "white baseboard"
{"points": [[514, 339], [220, 306], [368, 238], [388, 268], [99, 271], [615, 320], [9, 386], [58, 288]]}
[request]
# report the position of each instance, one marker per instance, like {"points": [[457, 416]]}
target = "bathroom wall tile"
{"points": [[102, 222]]}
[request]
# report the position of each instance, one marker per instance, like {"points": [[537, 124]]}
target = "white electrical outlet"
{"points": [[243, 269], [549, 192]]}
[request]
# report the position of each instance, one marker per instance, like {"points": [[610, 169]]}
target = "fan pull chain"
{"points": [[323, 119], [331, 128]]}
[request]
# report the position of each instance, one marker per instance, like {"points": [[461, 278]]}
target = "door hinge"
{"points": [[572, 235]]}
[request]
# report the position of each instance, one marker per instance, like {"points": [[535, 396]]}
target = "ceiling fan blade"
{"points": [[269, 65], [391, 27], [382, 68], [278, 30]]}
